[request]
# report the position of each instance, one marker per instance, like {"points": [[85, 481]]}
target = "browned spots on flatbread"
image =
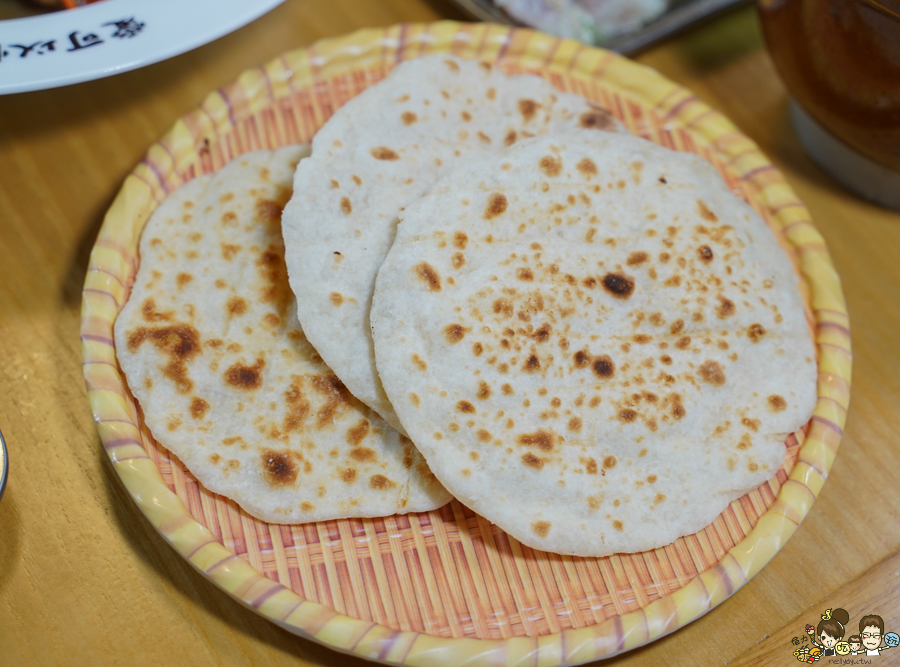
{"points": [[361, 454], [752, 424], [575, 424], [532, 461], [525, 274], [726, 308], [496, 205], [504, 307], [491, 93], [465, 406], [271, 267], [429, 276], [587, 167], [705, 253], [627, 415], [278, 468], [542, 333], [485, 138], [745, 442], [460, 239], [528, 109], [380, 482], [541, 528], [452, 65], [677, 327], [183, 279], [618, 285], [198, 407], [683, 343], [455, 333], [270, 211], [678, 410], [483, 436], [597, 119], [705, 213], [245, 377], [755, 332], [346, 206], [297, 406], [603, 366], [150, 314], [229, 250], [458, 260], [550, 165], [307, 506], [642, 339], [777, 403], [384, 153], [236, 306], [541, 439], [618, 526], [334, 184], [484, 390], [466, 116], [356, 434], [532, 364], [419, 362], [408, 117], [712, 372], [666, 359], [173, 423], [414, 398], [581, 358], [609, 462], [477, 349], [348, 475], [637, 258], [336, 399], [357, 180], [180, 342], [336, 298], [229, 218], [510, 138]]}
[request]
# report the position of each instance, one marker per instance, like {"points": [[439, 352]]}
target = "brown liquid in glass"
{"points": [[840, 59]]}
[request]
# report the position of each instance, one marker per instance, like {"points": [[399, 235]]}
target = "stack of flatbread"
{"points": [[486, 288]]}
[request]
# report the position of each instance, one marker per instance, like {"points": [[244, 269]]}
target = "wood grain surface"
{"points": [[85, 579]]}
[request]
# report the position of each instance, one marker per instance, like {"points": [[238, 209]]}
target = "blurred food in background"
{"points": [[589, 21]]}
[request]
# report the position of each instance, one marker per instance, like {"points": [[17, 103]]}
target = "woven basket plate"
{"points": [[447, 587]]}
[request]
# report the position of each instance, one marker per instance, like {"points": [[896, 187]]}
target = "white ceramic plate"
{"points": [[106, 38]]}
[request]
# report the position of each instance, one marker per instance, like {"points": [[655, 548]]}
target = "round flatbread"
{"points": [[379, 153], [594, 343], [210, 345]]}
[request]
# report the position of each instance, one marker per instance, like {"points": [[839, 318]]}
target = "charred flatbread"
{"points": [[211, 348], [377, 154], [594, 343]]}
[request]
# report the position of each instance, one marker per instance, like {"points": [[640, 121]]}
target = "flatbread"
{"points": [[377, 154], [210, 345], [595, 344]]}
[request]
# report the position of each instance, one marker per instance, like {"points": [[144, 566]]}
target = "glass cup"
{"points": [[840, 61]]}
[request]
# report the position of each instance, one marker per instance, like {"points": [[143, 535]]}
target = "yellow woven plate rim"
{"points": [[179, 156]]}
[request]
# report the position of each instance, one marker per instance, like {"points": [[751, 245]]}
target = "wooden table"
{"points": [[85, 579]]}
